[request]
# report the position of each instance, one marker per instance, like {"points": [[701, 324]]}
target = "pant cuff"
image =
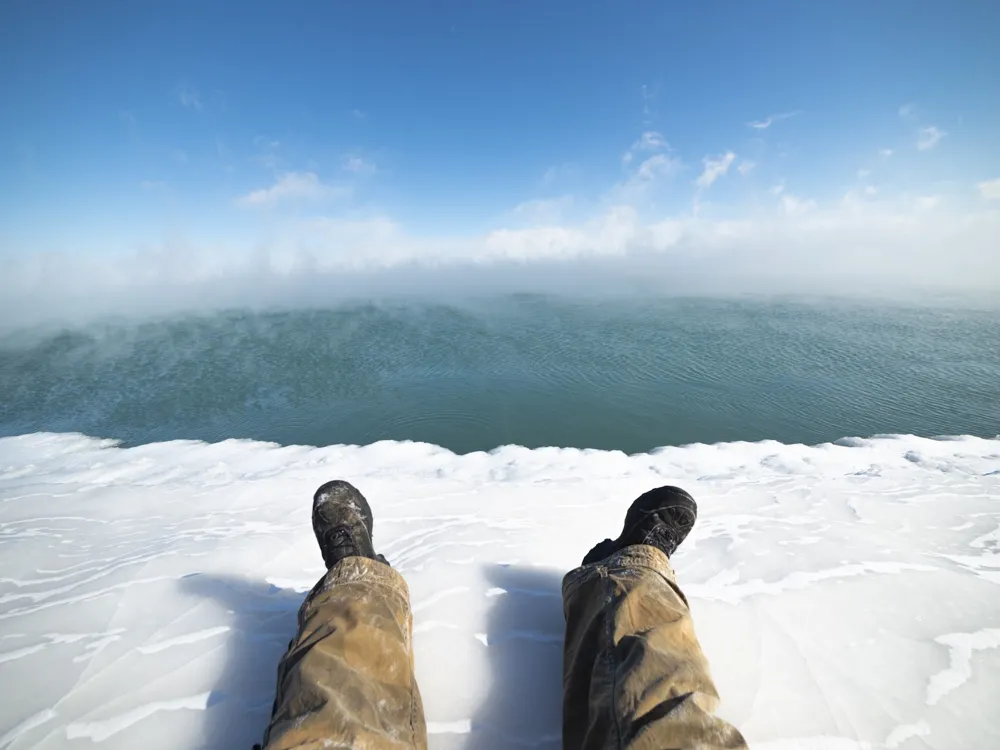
{"points": [[362, 570], [629, 558], [641, 556]]}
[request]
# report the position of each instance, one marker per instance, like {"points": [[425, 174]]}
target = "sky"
{"points": [[155, 143]]}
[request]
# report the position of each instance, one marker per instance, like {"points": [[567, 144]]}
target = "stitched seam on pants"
{"points": [[413, 709], [413, 717], [611, 660]]}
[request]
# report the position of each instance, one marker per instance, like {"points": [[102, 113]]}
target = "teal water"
{"points": [[531, 370]]}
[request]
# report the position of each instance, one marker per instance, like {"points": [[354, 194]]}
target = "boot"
{"points": [[660, 518], [342, 521]]}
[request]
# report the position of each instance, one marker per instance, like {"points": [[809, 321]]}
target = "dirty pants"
{"points": [[634, 676]]}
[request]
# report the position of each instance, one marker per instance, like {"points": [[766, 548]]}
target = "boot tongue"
{"points": [[660, 536], [338, 544]]}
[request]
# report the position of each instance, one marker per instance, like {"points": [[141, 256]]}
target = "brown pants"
{"points": [[634, 676]]}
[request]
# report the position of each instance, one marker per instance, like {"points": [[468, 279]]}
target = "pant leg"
{"points": [[634, 676], [347, 679]]}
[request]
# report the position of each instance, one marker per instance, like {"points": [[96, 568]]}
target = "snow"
{"points": [[845, 594]]}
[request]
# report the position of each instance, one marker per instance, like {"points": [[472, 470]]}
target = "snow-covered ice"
{"points": [[847, 595]]}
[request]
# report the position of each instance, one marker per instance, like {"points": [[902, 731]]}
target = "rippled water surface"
{"points": [[528, 370]]}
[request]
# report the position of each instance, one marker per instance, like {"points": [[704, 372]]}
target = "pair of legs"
{"points": [[634, 675]]}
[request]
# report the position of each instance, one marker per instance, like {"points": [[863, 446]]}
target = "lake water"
{"points": [[530, 370]]}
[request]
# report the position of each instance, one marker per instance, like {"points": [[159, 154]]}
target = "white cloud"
{"points": [[650, 140], [794, 206], [359, 165], [188, 97], [990, 189], [864, 174], [885, 153], [714, 169], [655, 166], [293, 186], [746, 166], [771, 119], [907, 110], [927, 138], [643, 178], [777, 189], [870, 190]]}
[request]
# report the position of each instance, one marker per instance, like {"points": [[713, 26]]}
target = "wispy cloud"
{"points": [[650, 140], [561, 173], [358, 114], [907, 110], [179, 155], [359, 165], [644, 177], [188, 97], [795, 206], [153, 185], [928, 138], [647, 109], [885, 153], [293, 186], [990, 189], [777, 189], [267, 156], [714, 169], [656, 166], [746, 166], [771, 119], [864, 174]]}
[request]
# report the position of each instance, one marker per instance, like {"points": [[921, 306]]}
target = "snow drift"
{"points": [[845, 594]]}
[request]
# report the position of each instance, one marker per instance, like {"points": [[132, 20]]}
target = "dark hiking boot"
{"points": [[342, 521], [660, 518]]}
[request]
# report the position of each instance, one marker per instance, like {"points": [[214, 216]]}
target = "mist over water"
{"points": [[520, 369]]}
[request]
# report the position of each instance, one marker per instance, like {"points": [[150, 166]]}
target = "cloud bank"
{"points": [[853, 245]]}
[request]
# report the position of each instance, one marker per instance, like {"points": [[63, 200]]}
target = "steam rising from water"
{"points": [[854, 248]]}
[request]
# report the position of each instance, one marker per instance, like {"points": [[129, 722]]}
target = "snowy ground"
{"points": [[847, 595]]}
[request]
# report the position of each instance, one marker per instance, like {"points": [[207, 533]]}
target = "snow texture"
{"points": [[846, 594]]}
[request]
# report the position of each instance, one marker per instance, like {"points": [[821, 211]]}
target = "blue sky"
{"points": [[133, 126]]}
